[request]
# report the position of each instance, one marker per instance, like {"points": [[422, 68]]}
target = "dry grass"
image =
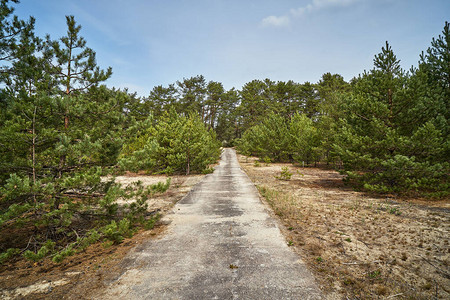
{"points": [[359, 246]]}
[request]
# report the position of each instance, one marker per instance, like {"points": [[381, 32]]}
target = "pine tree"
{"points": [[228, 125], [176, 144], [309, 100], [161, 99], [258, 99], [74, 65], [252, 104], [387, 140], [191, 95], [185, 145], [214, 100], [54, 201], [11, 30], [304, 140], [332, 90], [436, 60], [268, 139], [434, 69], [289, 97]]}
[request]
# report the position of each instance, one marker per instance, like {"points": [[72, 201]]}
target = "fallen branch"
{"points": [[28, 245], [362, 263], [363, 243], [447, 275], [396, 295]]}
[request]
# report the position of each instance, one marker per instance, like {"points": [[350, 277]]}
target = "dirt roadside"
{"points": [[80, 275], [359, 246]]}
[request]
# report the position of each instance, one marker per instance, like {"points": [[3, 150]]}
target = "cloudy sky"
{"points": [[157, 42]]}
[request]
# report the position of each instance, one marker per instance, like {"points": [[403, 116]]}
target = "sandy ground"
{"points": [[81, 274], [359, 246]]}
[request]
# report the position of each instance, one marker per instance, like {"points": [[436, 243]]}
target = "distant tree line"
{"points": [[388, 128]]}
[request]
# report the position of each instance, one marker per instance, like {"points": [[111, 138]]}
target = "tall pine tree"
{"points": [[50, 174]]}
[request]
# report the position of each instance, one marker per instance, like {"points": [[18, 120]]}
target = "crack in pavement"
{"points": [[221, 244]]}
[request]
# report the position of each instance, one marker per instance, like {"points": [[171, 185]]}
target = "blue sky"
{"points": [[157, 42]]}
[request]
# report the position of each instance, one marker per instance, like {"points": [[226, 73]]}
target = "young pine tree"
{"points": [[387, 142]]}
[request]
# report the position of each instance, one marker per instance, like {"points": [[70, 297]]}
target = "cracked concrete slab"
{"points": [[221, 244]]}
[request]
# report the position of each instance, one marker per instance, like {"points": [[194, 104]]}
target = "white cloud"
{"points": [[275, 21], [321, 4], [315, 5]]}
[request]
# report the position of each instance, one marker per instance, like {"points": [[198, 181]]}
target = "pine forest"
{"points": [[65, 135]]}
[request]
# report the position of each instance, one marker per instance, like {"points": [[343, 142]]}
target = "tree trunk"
{"points": [[188, 157], [33, 152], [390, 104], [62, 159], [213, 113], [188, 162]]}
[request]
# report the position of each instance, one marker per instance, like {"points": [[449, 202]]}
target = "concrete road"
{"points": [[222, 244]]}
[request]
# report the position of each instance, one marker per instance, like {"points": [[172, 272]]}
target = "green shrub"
{"points": [[160, 187], [47, 248], [285, 174], [176, 144], [11, 252], [116, 232], [150, 223], [68, 251]]}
